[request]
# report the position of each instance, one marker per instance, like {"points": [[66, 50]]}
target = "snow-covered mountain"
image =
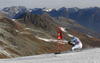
{"points": [[85, 56], [13, 11], [74, 9], [46, 9]]}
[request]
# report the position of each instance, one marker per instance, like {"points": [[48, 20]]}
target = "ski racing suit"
{"points": [[78, 43]]}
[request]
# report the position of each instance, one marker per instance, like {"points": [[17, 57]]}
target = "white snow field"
{"points": [[85, 56]]}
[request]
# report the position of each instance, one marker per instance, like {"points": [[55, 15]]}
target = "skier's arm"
{"points": [[72, 40]]}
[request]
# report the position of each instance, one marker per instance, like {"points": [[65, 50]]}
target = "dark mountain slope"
{"points": [[68, 23], [70, 26], [38, 22], [88, 17], [16, 41]]}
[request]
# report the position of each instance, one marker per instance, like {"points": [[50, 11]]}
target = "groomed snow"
{"points": [[85, 56]]}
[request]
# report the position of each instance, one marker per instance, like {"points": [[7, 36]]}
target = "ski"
{"points": [[58, 53], [69, 51]]}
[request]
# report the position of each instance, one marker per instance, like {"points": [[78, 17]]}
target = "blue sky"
{"points": [[50, 3]]}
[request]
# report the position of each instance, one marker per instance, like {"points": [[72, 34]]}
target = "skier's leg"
{"points": [[80, 45], [77, 46], [74, 47]]}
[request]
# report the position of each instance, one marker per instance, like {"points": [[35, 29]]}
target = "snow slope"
{"points": [[85, 56]]}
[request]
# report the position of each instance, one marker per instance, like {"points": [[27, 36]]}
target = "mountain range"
{"points": [[23, 36], [87, 17]]}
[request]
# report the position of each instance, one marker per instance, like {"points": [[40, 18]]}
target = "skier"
{"points": [[76, 43]]}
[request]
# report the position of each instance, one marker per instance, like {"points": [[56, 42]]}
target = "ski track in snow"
{"points": [[85, 56]]}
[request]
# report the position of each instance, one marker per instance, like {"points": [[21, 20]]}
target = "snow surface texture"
{"points": [[85, 56]]}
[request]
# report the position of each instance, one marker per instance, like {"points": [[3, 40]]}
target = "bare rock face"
{"points": [[1, 16]]}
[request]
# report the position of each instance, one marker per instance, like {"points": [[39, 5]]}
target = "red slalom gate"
{"points": [[59, 37]]}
